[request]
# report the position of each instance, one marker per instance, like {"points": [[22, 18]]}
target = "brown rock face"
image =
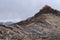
{"points": [[46, 10], [44, 25]]}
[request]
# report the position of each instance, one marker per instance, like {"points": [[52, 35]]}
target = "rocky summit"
{"points": [[44, 25]]}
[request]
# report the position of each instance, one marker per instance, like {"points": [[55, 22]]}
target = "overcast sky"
{"points": [[16, 10]]}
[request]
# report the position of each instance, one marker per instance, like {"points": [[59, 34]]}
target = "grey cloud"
{"points": [[22, 9]]}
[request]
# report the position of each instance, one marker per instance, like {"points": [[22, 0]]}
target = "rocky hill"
{"points": [[44, 25]]}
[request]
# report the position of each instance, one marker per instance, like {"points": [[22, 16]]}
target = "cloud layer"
{"points": [[22, 9]]}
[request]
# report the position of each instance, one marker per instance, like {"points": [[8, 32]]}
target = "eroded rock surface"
{"points": [[45, 25]]}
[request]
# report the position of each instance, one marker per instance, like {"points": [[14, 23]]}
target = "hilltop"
{"points": [[44, 25]]}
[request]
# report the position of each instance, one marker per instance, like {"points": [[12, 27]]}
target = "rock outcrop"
{"points": [[44, 25]]}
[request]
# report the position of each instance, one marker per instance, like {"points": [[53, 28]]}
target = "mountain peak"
{"points": [[39, 17], [46, 10], [46, 7]]}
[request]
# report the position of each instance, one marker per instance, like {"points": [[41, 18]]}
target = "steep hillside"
{"points": [[44, 25]]}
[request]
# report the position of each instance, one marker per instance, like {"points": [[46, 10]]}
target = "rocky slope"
{"points": [[44, 25]]}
